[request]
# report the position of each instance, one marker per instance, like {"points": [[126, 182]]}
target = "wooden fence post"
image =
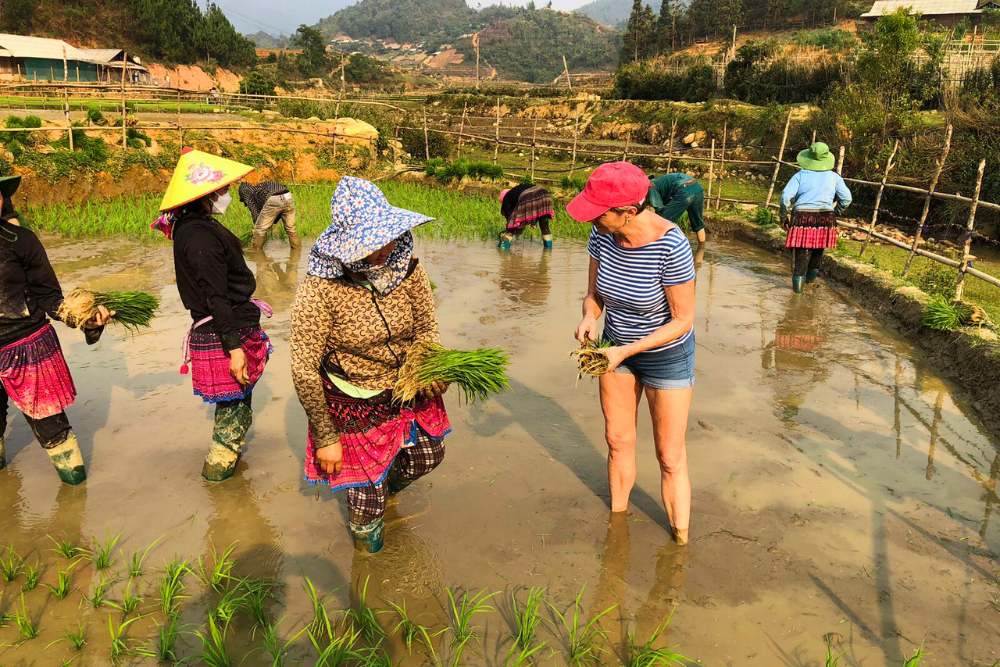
{"points": [[69, 122], [576, 135], [180, 128], [670, 145], [840, 160], [569, 81], [919, 232], [967, 246], [124, 106], [534, 138], [878, 199], [722, 165], [711, 171], [461, 129], [427, 139], [496, 147], [777, 163], [628, 144]]}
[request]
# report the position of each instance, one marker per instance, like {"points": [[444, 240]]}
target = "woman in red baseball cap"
{"points": [[642, 279]]}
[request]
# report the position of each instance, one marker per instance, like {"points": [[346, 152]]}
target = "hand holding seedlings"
{"points": [[100, 318], [586, 331], [594, 358]]}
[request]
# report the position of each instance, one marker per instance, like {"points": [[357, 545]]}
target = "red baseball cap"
{"points": [[611, 185]]}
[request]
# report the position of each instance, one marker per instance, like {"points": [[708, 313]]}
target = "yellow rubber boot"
{"points": [[68, 461]]}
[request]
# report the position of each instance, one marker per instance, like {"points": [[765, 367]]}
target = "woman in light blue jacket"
{"points": [[810, 203]]}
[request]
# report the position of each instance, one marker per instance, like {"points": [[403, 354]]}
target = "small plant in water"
{"points": [[166, 640], [130, 601], [462, 610], [527, 618], [231, 603], [916, 659], [523, 656], [32, 575], [258, 593], [66, 549], [320, 624], [647, 655], [276, 649], [221, 570], [411, 631], [365, 619], [25, 625], [120, 648], [102, 555], [64, 578], [582, 636], [339, 650], [172, 587], [139, 558], [213, 644], [99, 596], [76, 638], [11, 565]]}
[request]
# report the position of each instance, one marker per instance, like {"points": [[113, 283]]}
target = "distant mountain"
{"points": [[613, 12], [428, 21], [264, 40]]}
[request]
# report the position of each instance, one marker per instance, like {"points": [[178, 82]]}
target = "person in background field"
{"points": [[526, 205], [810, 203], [267, 202], [642, 279], [33, 371], [226, 347], [674, 194]]}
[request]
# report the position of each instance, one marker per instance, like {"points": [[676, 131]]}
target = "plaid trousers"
{"points": [[367, 503]]}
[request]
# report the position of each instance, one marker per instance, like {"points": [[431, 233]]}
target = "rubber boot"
{"points": [[68, 461], [547, 242], [220, 464], [797, 282], [369, 536], [258, 242], [811, 275], [293, 240], [3, 453], [505, 240]]}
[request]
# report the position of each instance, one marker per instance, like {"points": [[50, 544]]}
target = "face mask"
{"points": [[220, 205]]}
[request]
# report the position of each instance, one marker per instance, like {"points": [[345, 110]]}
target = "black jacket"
{"points": [[213, 278], [29, 290]]}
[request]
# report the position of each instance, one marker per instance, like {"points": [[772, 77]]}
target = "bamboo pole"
{"points": [[180, 128], [878, 198], [461, 129], [534, 139], [576, 134], [840, 160], [569, 81], [777, 164], [670, 146], [722, 165], [496, 149], [124, 106], [628, 143], [711, 171], [919, 232], [967, 246], [69, 122], [427, 140]]}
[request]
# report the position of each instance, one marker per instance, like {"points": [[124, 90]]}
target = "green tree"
{"points": [[18, 15], [169, 29], [313, 62], [220, 41], [257, 83]]}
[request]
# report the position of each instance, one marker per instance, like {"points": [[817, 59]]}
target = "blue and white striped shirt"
{"points": [[630, 283]]}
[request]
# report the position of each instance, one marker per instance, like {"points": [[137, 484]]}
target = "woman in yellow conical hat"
{"points": [[226, 347]]}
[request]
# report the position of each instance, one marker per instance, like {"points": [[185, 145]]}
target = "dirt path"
{"points": [[840, 488]]}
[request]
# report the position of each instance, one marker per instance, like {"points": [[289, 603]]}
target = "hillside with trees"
{"points": [[612, 13], [406, 21]]}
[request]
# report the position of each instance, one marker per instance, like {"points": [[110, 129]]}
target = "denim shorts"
{"points": [[672, 368]]}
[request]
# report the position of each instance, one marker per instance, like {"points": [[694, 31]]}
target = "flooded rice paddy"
{"points": [[842, 493]]}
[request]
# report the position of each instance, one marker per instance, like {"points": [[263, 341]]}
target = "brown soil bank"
{"points": [[969, 356]]}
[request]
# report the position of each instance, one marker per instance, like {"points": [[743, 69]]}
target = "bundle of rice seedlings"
{"points": [[132, 309], [478, 373], [591, 358], [941, 314]]}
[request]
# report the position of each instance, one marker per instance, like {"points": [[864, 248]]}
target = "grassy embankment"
{"points": [[105, 104]]}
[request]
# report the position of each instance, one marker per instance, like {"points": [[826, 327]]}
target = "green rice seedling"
{"points": [[63, 583], [66, 549], [232, 602], [523, 656], [257, 593], [102, 555], [5, 619], [139, 558], [26, 626], [172, 587], [477, 373], [831, 659], [916, 659], [167, 633], [11, 565], [365, 619], [213, 644], [411, 631], [338, 650], [320, 623], [32, 575], [373, 656], [130, 601], [221, 570], [528, 617], [462, 611], [647, 655], [582, 636], [276, 649], [99, 595], [941, 314], [120, 648], [132, 310], [77, 639]]}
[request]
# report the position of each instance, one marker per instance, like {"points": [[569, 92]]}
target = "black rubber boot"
{"points": [[811, 275], [369, 536], [797, 282]]}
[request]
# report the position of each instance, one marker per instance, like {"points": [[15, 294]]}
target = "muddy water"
{"points": [[841, 489]]}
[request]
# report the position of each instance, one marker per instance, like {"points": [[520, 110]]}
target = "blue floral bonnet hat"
{"points": [[362, 221]]}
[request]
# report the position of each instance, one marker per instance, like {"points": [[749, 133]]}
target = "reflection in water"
{"points": [[276, 279], [934, 428], [793, 355], [525, 280]]}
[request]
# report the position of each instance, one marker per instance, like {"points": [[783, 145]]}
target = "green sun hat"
{"points": [[9, 185], [817, 158]]}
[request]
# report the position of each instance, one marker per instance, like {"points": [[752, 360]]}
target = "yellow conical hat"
{"points": [[198, 174]]}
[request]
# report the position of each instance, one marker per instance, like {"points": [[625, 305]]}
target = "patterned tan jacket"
{"points": [[368, 336]]}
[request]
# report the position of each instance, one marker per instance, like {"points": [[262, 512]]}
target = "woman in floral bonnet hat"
{"points": [[364, 303], [226, 347]]}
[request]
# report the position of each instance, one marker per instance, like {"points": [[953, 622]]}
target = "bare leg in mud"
{"points": [[669, 409], [620, 393]]}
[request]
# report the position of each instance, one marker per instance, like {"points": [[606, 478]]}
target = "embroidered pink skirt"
{"points": [[812, 230], [372, 432], [210, 376], [35, 375]]}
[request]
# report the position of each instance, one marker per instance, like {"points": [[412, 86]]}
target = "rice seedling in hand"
{"points": [[462, 611], [139, 558], [941, 314], [32, 575], [66, 549], [528, 617], [63, 583], [478, 373], [647, 655], [320, 624], [276, 649], [171, 587], [591, 359], [411, 631], [221, 570], [99, 596], [102, 555], [132, 310], [165, 648], [213, 643], [582, 636], [365, 619], [11, 564], [26, 626]]}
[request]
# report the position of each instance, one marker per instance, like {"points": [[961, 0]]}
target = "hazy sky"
{"points": [[252, 15]]}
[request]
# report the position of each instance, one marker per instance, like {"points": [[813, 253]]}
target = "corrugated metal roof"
{"points": [[21, 46], [100, 55], [923, 7]]}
